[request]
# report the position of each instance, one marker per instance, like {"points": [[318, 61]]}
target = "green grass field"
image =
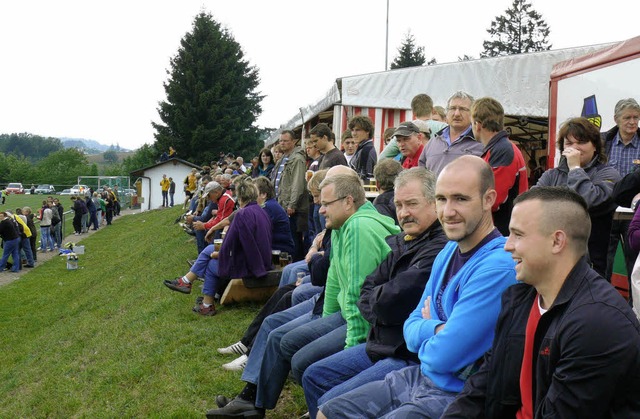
{"points": [[109, 340]]}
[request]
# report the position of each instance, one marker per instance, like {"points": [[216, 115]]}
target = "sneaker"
{"points": [[178, 285], [237, 408], [237, 364], [237, 348], [205, 311]]}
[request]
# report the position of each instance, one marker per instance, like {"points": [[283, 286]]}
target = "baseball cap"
{"points": [[406, 129]]}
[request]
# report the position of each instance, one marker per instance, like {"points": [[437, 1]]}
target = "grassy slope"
{"points": [[109, 340]]}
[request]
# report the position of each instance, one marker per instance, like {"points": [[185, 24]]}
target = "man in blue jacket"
{"points": [[452, 326], [567, 345], [388, 295]]}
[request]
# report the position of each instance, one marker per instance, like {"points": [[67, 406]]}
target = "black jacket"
{"points": [[587, 362], [364, 159], [385, 206], [393, 290], [319, 268]]}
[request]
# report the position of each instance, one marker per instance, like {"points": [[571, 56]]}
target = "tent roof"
{"points": [[520, 82], [614, 52]]}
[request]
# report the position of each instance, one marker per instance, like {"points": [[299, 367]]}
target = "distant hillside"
{"points": [[99, 158], [89, 146]]}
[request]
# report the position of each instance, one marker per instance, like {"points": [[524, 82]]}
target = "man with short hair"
{"points": [[453, 324], [388, 295], [408, 138], [504, 157], [349, 145], [386, 173], [291, 192], [365, 157], [422, 109], [164, 186], [622, 147], [566, 345], [172, 191], [323, 139], [455, 140]]}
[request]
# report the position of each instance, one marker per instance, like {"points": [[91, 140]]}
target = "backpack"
{"points": [[19, 228], [55, 216]]}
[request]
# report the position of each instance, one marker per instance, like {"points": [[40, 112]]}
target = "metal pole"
{"points": [[386, 46]]}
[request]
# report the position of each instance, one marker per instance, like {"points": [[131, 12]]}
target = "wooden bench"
{"points": [[251, 289]]}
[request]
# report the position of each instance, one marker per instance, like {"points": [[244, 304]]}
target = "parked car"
{"points": [[80, 190], [45, 189], [130, 192], [66, 192], [15, 188]]}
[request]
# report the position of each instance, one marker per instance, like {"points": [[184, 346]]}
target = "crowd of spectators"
{"points": [[403, 299]]}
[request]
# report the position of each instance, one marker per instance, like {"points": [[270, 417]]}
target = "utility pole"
{"points": [[386, 45]]}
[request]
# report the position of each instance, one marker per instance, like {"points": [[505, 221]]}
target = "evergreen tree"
{"points": [[409, 55], [211, 103], [521, 29]]}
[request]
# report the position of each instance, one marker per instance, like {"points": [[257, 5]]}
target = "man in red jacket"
{"points": [[504, 157]]}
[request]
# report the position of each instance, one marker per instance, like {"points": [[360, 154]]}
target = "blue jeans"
{"points": [[57, 234], [200, 242], [11, 248], [342, 372], [304, 291], [207, 268], [300, 313], [290, 272], [45, 237], [284, 342], [406, 393], [93, 220], [171, 198], [25, 246], [165, 198]]}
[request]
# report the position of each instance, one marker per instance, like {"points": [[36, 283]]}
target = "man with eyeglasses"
{"points": [[358, 246], [455, 140]]}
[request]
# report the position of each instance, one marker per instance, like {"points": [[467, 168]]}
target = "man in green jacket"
{"points": [[358, 246]]}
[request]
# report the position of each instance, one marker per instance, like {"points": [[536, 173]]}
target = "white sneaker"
{"points": [[237, 364], [237, 348]]}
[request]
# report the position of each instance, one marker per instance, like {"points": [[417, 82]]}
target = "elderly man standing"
{"points": [[291, 189], [567, 345], [622, 147], [504, 157], [388, 295], [452, 325], [455, 140]]}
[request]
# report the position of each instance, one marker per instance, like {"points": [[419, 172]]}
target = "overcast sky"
{"points": [[95, 70]]}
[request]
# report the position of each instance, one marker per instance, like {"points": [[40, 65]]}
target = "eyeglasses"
{"points": [[326, 204], [453, 109]]}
